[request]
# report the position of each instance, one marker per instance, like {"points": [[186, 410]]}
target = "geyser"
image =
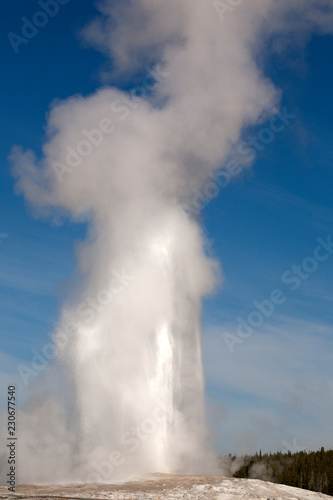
{"points": [[130, 164], [137, 363]]}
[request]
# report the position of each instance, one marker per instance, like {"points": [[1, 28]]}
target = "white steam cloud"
{"points": [[128, 163]]}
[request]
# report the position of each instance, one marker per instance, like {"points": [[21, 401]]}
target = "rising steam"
{"points": [[129, 164]]}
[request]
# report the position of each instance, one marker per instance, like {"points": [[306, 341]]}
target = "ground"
{"points": [[166, 486]]}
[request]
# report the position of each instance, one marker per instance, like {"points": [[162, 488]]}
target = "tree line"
{"points": [[308, 470]]}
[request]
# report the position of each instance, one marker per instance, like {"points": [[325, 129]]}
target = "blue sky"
{"points": [[275, 388]]}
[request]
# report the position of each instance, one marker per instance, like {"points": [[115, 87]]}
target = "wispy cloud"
{"points": [[282, 374], [314, 215]]}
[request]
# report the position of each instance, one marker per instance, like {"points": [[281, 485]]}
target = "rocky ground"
{"points": [[166, 486]]}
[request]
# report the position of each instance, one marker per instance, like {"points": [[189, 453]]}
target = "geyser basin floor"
{"points": [[167, 486]]}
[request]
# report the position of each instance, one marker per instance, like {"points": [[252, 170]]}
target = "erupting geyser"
{"points": [[138, 360], [136, 166]]}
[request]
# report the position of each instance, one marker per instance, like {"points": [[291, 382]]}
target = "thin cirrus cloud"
{"points": [[283, 373]]}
